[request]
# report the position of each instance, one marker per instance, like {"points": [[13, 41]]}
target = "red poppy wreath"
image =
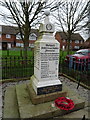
{"points": [[64, 103]]}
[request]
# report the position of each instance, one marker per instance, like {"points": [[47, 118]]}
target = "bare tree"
{"points": [[88, 24], [25, 14], [70, 17]]}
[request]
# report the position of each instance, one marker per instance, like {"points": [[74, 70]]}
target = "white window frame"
{"points": [[64, 40], [18, 36], [8, 36], [0, 35], [0, 28], [9, 45], [32, 36], [70, 41], [18, 45], [76, 47], [76, 41], [63, 47], [22, 45], [31, 45]]}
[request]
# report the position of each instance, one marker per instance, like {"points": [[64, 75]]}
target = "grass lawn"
{"points": [[14, 53], [30, 53]]}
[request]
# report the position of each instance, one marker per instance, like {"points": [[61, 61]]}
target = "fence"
{"points": [[79, 71], [20, 67], [17, 67]]}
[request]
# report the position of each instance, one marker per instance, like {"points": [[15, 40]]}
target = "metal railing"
{"points": [[20, 67], [80, 70], [16, 67]]}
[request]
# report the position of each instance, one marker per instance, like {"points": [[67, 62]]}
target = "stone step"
{"points": [[10, 104], [43, 110], [77, 115], [36, 99]]}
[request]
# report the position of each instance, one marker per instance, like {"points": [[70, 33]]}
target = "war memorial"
{"points": [[36, 99]]}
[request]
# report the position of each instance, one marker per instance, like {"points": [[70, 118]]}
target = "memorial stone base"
{"points": [[46, 87], [45, 94], [18, 103]]}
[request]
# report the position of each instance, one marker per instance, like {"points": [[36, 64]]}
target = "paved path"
{"points": [[73, 86]]}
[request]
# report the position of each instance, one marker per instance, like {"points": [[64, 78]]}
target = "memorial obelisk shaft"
{"points": [[46, 61]]}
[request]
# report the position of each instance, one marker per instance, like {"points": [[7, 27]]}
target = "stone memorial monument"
{"points": [[46, 61], [37, 99]]}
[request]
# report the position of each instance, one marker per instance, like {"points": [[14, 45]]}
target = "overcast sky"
{"points": [[4, 22]]}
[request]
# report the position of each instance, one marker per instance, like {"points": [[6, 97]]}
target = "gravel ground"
{"points": [[73, 86]]}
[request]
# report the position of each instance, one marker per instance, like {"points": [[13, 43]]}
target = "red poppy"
{"points": [[64, 103]]}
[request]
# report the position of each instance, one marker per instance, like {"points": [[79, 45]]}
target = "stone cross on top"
{"points": [[47, 26]]}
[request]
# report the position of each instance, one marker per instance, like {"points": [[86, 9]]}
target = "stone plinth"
{"points": [[46, 62], [18, 104], [37, 99]]}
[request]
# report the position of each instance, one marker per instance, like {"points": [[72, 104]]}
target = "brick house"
{"points": [[34, 34], [7, 37], [75, 42], [10, 37], [86, 44]]}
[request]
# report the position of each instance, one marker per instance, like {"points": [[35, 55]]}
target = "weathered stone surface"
{"points": [[76, 115], [36, 99], [10, 104], [71, 88], [43, 110], [46, 61]]}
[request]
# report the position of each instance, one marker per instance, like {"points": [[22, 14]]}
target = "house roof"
{"points": [[35, 31], [14, 30], [9, 30], [88, 40], [75, 36], [86, 44]]}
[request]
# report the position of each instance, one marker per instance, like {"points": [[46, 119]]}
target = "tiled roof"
{"points": [[88, 40], [14, 30], [9, 30], [75, 36]]}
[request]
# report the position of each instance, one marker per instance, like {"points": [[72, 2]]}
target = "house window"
{"points": [[18, 36], [63, 47], [81, 42], [76, 41], [70, 41], [76, 47], [32, 36], [31, 45], [19, 45], [22, 45], [64, 40], [0, 35], [8, 36], [9, 45]]}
